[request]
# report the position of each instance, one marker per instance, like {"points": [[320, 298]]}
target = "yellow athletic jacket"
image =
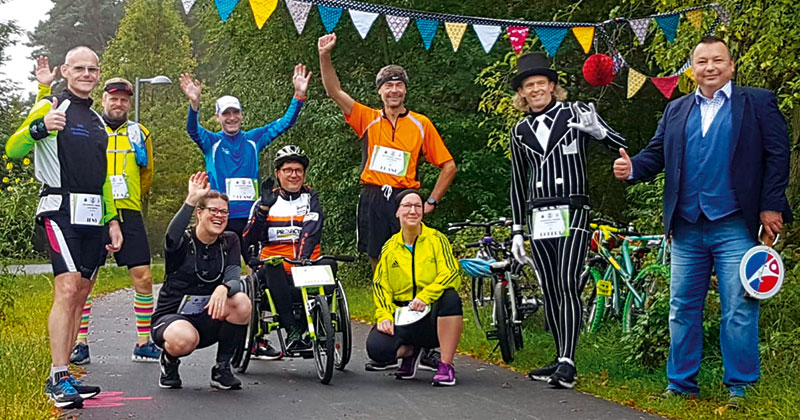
{"points": [[425, 273]]}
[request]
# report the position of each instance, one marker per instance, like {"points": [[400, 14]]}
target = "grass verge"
{"points": [[604, 373], [24, 349]]}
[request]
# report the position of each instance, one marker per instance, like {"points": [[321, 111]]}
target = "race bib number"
{"points": [[119, 187], [551, 222], [193, 304], [403, 315], [389, 161], [241, 189], [86, 209], [604, 288], [312, 275]]}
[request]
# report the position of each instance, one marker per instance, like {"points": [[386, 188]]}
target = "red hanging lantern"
{"points": [[598, 70]]}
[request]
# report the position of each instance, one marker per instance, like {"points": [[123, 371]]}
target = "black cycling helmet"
{"points": [[290, 153]]}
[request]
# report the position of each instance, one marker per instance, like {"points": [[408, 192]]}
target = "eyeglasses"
{"points": [[290, 171], [408, 207], [216, 211], [83, 69]]}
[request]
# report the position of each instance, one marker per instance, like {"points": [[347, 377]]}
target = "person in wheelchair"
{"points": [[417, 270], [286, 222]]}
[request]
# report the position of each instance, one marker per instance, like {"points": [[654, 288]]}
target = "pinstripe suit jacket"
{"points": [[558, 171]]}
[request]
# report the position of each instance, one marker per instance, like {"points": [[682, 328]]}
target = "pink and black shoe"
{"points": [[445, 375]]}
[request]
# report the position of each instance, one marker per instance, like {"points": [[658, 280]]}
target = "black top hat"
{"points": [[533, 64]]}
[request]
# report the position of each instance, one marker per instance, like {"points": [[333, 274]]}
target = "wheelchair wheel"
{"points": [[344, 332], [324, 344], [241, 358]]}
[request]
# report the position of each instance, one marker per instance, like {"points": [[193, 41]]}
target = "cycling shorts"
{"points": [[73, 248]]}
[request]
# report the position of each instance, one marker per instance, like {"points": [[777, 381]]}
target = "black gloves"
{"points": [[268, 196]]}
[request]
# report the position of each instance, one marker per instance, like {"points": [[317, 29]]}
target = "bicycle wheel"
{"points": [[505, 326], [481, 293], [594, 305], [647, 286], [344, 332], [241, 357], [324, 344]]}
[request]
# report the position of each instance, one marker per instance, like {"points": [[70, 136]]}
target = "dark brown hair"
{"points": [[210, 196], [711, 39]]}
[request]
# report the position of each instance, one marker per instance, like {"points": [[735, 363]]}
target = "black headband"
{"points": [[403, 195], [118, 87], [395, 78]]}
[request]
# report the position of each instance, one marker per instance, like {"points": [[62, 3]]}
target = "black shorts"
{"points": [[377, 221], [237, 226], [423, 333], [135, 250], [207, 328], [73, 248]]}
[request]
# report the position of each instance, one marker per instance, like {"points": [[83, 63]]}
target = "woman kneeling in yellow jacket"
{"points": [[416, 270]]}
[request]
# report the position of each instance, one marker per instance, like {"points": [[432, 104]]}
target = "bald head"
{"points": [[81, 70], [81, 50]]}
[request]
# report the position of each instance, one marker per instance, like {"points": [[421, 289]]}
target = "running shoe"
{"points": [[563, 377], [445, 375], [147, 353], [265, 351], [373, 366], [80, 354], [544, 373], [430, 360], [62, 393], [170, 377], [85, 391], [222, 377], [408, 365]]}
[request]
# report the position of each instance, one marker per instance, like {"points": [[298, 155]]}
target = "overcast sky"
{"points": [[27, 13]]}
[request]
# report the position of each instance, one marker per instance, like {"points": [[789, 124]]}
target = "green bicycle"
{"points": [[325, 306], [606, 272]]}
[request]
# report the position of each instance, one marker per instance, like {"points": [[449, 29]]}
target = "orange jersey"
{"points": [[390, 154]]}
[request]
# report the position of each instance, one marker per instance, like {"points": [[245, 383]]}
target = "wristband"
{"points": [[38, 129], [301, 99]]}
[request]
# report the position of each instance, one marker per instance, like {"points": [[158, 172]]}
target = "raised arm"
{"points": [[198, 187], [330, 81]]}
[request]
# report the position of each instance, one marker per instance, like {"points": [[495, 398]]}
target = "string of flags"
{"points": [[552, 34]]}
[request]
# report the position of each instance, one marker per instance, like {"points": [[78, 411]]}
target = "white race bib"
{"points": [[389, 161], [86, 209], [240, 189], [193, 304], [551, 222], [284, 233], [403, 315], [119, 187], [312, 275]]}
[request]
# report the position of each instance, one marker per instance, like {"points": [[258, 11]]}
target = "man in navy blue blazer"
{"points": [[725, 153]]}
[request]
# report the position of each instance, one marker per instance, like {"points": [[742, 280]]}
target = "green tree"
{"points": [[153, 40]]}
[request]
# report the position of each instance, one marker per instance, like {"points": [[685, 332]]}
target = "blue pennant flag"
{"points": [[225, 8], [551, 38], [427, 28], [669, 24], [330, 17]]}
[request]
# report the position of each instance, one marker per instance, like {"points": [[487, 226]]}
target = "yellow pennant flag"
{"points": [[690, 74], [585, 36], [695, 17], [456, 32], [262, 10], [635, 82]]}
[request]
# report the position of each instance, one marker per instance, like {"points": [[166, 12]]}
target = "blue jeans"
{"points": [[695, 247]]}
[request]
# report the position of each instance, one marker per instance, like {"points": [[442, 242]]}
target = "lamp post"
{"points": [[158, 80]]}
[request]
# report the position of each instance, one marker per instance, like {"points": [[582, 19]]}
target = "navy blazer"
{"points": [[759, 156]]}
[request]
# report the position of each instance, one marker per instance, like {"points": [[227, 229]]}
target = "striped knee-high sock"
{"points": [[143, 306], [83, 332]]}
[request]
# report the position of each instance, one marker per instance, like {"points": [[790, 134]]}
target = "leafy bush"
{"points": [[18, 202]]}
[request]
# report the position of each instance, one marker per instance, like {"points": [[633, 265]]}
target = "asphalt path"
{"points": [[289, 388]]}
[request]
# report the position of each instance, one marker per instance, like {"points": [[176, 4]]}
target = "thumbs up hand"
{"points": [[55, 119], [623, 166]]}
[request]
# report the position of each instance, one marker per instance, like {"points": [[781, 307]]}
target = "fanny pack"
{"points": [[575, 202]]}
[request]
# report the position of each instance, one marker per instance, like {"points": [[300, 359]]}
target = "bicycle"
{"points": [[324, 303], [604, 296], [509, 287]]}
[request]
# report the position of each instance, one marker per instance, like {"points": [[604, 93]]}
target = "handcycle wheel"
{"points": [[594, 305], [481, 294], [241, 357], [505, 325], [324, 343], [344, 333]]}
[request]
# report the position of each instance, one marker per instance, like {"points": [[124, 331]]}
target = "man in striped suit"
{"points": [[549, 192]]}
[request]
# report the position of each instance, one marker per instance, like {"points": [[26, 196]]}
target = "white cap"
{"points": [[227, 101]]}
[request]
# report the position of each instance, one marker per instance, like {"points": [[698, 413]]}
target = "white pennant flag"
{"points": [[487, 34], [187, 5], [398, 25], [363, 21], [299, 11]]}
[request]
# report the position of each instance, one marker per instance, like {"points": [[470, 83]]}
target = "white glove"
{"points": [[518, 250], [587, 121]]}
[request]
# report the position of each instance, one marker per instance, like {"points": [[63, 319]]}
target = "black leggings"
{"points": [[383, 347]]}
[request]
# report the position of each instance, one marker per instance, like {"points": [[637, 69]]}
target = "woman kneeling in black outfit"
{"points": [[201, 302]]}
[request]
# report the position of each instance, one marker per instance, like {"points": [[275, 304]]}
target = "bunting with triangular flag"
{"points": [[695, 17], [690, 74], [455, 31], [330, 16], [363, 21], [666, 84], [299, 12], [487, 34], [551, 38], [585, 36], [723, 13], [517, 36], [669, 25], [225, 8], [427, 29], [635, 82], [262, 10], [640, 28], [187, 5], [398, 25]]}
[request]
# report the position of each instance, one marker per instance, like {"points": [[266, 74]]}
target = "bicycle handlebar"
{"points": [[473, 245], [308, 261], [468, 223]]}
